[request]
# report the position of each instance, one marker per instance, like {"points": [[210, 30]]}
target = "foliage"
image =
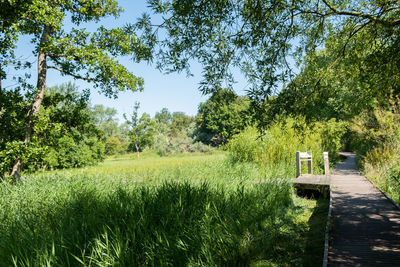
{"points": [[377, 127], [66, 135], [104, 119], [112, 146], [381, 166], [223, 115], [72, 51], [77, 52], [335, 84], [163, 117], [175, 134], [224, 35], [13, 107], [378, 136], [277, 146], [66, 127], [84, 217], [34, 154], [142, 132], [180, 123]]}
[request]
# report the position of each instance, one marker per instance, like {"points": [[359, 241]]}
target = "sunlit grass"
{"points": [[180, 210]]}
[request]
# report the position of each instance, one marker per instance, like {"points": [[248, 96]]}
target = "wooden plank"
{"points": [[305, 155], [366, 225], [312, 179]]}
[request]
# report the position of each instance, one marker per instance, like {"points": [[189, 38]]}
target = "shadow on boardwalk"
{"points": [[366, 226]]}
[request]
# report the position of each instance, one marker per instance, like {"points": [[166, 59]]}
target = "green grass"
{"points": [[182, 210]]}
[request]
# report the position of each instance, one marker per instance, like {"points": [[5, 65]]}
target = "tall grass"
{"points": [[203, 212], [102, 223], [276, 147], [382, 166], [378, 138]]}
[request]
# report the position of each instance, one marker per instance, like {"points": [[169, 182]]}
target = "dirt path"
{"points": [[365, 225]]}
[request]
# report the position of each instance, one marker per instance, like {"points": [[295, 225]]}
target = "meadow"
{"points": [[180, 210]]}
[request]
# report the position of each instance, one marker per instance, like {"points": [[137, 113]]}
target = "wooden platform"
{"points": [[309, 179], [307, 182]]}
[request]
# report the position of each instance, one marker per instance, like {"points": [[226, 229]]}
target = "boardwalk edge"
{"points": [[383, 193], [326, 246]]}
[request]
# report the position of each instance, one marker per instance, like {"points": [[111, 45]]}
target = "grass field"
{"points": [[181, 210]]}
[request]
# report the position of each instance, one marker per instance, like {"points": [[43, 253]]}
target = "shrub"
{"points": [[382, 166], [278, 144], [112, 145], [200, 147]]}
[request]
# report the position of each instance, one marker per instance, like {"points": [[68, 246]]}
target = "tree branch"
{"points": [[385, 22], [76, 76]]}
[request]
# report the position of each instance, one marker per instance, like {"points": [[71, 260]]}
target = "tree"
{"points": [[74, 52], [105, 120], [180, 122], [146, 130], [164, 116], [223, 115], [66, 135], [134, 122], [342, 87], [260, 37], [143, 129]]}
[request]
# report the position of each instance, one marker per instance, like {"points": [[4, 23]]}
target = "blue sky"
{"points": [[177, 92]]}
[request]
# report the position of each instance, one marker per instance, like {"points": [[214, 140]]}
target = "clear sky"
{"points": [[177, 92]]}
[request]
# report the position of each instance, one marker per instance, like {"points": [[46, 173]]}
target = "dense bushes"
{"points": [[64, 133], [378, 139], [382, 166], [278, 145]]}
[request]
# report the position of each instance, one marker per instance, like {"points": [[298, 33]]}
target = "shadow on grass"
{"points": [[315, 237], [299, 237], [170, 225]]}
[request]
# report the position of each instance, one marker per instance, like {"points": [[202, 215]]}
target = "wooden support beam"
{"points": [[298, 164], [326, 163]]}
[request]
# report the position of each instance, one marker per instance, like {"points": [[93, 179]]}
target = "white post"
{"points": [[326, 163]]}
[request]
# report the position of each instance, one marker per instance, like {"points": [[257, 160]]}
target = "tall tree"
{"points": [[134, 123], [105, 119], [260, 37], [75, 52], [223, 115]]}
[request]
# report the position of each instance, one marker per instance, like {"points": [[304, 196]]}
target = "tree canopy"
{"points": [[75, 52], [266, 39]]}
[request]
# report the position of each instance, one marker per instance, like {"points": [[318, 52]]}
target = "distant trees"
{"points": [[223, 115]]}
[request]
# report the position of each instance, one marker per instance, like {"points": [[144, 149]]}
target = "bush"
{"points": [[200, 147], [69, 153], [112, 145], [278, 144], [382, 166]]}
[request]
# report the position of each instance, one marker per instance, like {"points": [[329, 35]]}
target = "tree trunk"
{"points": [[137, 147], [30, 117]]}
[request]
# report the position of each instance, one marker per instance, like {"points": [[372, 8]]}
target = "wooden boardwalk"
{"points": [[365, 224]]}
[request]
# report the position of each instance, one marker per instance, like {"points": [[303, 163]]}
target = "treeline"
{"points": [[69, 132]]}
